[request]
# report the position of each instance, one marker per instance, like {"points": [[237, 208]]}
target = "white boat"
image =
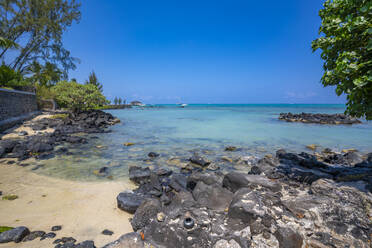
{"points": [[183, 105]]}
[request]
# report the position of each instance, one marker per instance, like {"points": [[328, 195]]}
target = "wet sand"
{"points": [[84, 209]]}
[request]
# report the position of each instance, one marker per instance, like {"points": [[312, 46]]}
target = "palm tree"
{"points": [[46, 75], [93, 80], [5, 43]]}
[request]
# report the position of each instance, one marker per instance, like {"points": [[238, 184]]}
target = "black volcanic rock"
{"points": [[14, 235], [129, 202], [334, 119]]}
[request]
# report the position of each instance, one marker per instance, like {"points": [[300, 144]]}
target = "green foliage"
{"points": [[44, 92], [38, 27], [346, 47], [5, 228], [77, 96], [93, 80], [120, 101], [7, 44], [10, 78], [45, 75], [116, 100]]}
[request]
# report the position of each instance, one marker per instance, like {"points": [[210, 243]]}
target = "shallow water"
{"points": [[176, 132]]}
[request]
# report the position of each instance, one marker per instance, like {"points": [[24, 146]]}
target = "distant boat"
{"points": [[182, 105]]}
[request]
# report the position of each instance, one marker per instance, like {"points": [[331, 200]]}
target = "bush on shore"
{"points": [[76, 97], [12, 79]]}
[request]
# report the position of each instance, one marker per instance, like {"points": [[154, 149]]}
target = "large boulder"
{"points": [[145, 213], [303, 159], [129, 201], [236, 180], [212, 196], [14, 235], [246, 206], [139, 175], [206, 177]]}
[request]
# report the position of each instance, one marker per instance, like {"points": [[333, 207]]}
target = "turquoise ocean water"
{"points": [[175, 133]]}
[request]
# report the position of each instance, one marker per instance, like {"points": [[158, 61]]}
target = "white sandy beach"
{"points": [[84, 209]]}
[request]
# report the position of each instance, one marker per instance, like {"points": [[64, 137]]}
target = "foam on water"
{"points": [[178, 132]]}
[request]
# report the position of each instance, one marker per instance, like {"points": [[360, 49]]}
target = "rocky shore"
{"points": [[288, 200], [334, 119], [49, 132]]}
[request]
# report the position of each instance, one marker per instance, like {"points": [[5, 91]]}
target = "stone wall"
{"points": [[15, 103]]}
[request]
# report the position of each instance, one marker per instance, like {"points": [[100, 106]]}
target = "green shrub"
{"points": [[11, 79], [44, 92], [75, 96]]}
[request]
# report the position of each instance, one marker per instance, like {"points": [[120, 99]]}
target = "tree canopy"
{"points": [[346, 44], [92, 79], [75, 96], [34, 28]]}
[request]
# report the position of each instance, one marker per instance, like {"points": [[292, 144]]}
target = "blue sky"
{"points": [[202, 51]]}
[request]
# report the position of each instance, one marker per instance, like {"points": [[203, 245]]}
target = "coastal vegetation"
{"points": [[75, 96], [33, 56], [94, 81], [346, 45], [37, 27]]}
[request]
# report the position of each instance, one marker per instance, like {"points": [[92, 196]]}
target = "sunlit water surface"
{"points": [[176, 132]]}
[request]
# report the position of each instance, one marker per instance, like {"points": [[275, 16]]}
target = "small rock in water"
{"points": [[312, 147], [107, 232], [128, 144], [153, 154], [230, 148], [349, 150], [327, 150], [226, 159], [199, 160], [56, 228]]}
